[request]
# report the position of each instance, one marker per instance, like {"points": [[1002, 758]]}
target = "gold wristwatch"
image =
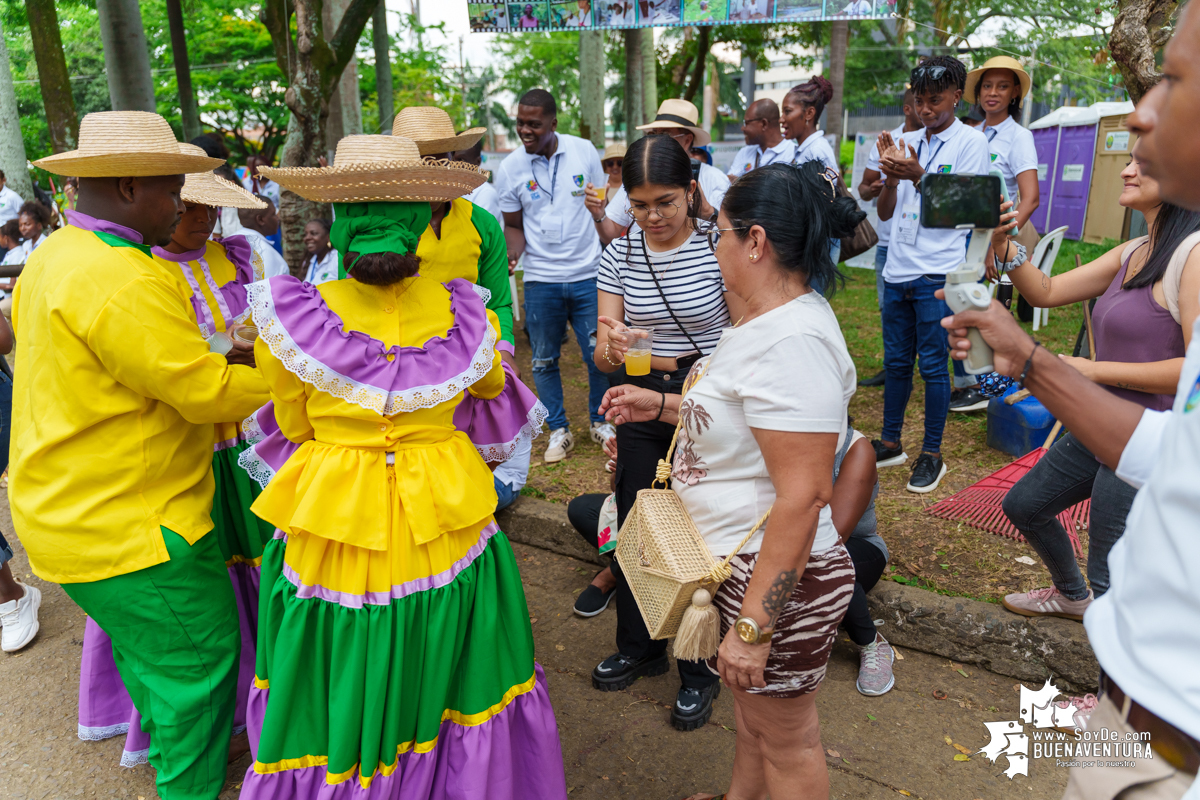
{"points": [[749, 632]]}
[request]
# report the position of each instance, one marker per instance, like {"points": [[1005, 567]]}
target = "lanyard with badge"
{"points": [[552, 221], [910, 212]]}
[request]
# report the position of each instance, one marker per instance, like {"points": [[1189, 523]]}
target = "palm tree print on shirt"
{"points": [[688, 466]]}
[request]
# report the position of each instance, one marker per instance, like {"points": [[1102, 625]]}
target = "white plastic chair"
{"points": [[1043, 258], [516, 305]]}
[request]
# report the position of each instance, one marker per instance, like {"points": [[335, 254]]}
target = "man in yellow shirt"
{"points": [[111, 480]]}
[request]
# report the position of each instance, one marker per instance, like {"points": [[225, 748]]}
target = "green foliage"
{"points": [[547, 61], [421, 75]]}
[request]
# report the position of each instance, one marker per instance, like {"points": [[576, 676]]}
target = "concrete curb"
{"points": [[964, 630]]}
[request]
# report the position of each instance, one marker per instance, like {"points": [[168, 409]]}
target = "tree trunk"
{"points": [[649, 74], [838, 40], [1141, 30], [188, 109], [12, 146], [383, 67], [126, 58], [345, 101], [53, 78], [635, 108], [313, 64], [696, 80], [591, 86]]}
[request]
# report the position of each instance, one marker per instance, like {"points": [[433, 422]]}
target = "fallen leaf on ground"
{"points": [[833, 753], [961, 757], [948, 740], [1026, 560], [899, 655], [962, 749], [962, 672], [533, 620], [559, 647], [906, 794]]}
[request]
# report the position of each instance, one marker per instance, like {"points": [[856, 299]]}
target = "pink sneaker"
{"points": [[1047, 603], [1084, 706]]}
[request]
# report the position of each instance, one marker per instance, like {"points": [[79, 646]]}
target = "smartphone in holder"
{"points": [[964, 202], [1004, 198]]}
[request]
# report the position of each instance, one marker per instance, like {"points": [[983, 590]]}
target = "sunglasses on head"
{"points": [[933, 73]]}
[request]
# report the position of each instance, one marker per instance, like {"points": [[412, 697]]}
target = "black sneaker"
{"points": [[878, 379], [618, 672], [693, 707], [968, 400], [927, 473], [592, 601], [888, 456]]}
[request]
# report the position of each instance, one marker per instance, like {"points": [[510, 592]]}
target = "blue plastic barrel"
{"points": [[1019, 428]]}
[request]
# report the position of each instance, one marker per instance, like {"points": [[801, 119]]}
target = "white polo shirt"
{"points": [[958, 150], [885, 228], [561, 243], [1012, 151], [10, 205], [815, 148], [713, 183], [273, 263], [1145, 630], [743, 162], [486, 197], [323, 270]]}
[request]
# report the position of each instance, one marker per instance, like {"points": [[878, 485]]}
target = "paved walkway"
{"points": [[617, 745]]}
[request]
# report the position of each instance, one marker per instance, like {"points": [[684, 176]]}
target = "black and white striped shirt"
{"points": [[691, 282]]}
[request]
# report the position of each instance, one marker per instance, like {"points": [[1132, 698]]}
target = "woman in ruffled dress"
{"points": [[212, 277], [395, 654]]}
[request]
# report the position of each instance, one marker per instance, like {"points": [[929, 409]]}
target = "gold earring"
{"points": [[753, 257]]}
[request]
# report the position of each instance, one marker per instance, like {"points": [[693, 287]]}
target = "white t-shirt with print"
{"points": [[787, 370], [713, 183]]}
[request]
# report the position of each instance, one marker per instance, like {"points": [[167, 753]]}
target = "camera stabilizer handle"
{"points": [[964, 292]]}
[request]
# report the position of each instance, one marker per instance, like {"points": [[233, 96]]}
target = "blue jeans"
{"points": [[549, 307], [505, 494], [912, 329], [880, 262]]}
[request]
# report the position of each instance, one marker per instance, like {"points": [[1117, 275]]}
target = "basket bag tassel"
{"points": [[670, 571]]}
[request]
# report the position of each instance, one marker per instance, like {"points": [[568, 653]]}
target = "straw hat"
{"points": [[118, 144], [378, 168], [433, 131], [613, 151], [676, 113], [209, 189], [999, 62]]}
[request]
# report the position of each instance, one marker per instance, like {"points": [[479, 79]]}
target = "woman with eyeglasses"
{"points": [[662, 275], [611, 162], [762, 422]]}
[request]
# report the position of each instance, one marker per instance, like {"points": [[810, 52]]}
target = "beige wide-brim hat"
{"points": [[378, 168], [120, 144], [210, 189], [999, 62], [677, 113], [433, 131], [613, 151]]}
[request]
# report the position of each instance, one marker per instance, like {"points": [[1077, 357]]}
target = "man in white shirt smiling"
{"points": [[548, 227], [764, 141], [1145, 630]]}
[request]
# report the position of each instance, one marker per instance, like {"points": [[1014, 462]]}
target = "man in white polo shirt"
{"points": [[918, 260], [764, 141], [548, 227], [677, 119]]}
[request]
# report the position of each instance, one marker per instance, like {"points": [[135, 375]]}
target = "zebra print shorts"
{"points": [[805, 631]]}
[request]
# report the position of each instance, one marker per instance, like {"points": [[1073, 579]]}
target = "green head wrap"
{"points": [[378, 227]]}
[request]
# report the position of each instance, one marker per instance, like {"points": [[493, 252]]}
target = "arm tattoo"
{"points": [[1130, 386], [779, 592], [1045, 282]]}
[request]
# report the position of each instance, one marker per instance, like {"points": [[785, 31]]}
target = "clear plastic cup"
{"points": [[637, 360], [246, 332]]}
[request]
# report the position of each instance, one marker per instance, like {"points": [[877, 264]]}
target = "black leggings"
{"points": [[584, 514], [869, 562]]}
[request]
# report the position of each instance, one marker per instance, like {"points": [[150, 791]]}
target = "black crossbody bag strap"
{"points": [[662, 294]]}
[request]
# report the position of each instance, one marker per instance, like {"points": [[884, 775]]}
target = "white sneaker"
{"points": [[602, 432], [561, 443], [19, 620]]}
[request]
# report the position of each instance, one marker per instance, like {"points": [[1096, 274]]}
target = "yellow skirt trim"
{"points": [[466, 720], [253, 562]]}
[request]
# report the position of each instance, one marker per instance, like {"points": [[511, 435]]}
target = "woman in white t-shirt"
{"points": [[759, 427], [662, 275]]}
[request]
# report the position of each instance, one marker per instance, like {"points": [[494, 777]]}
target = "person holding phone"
{"points": [[1149, 300], [663, 276], [918, 261]]}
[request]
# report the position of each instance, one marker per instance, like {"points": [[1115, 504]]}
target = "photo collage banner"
{"points": [[573, 15]]}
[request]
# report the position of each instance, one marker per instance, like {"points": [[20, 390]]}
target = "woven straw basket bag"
{"points": [[670, 571]]}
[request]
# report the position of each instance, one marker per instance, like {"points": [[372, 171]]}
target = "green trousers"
{"points": [[175, 639]]}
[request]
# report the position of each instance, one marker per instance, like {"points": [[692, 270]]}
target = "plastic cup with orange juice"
{"points": [[637, 359]]}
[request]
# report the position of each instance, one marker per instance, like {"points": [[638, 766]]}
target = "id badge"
{"points": [[910, 218], [552, 226]]}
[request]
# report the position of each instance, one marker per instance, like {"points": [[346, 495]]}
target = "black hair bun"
{"points": [[844, 217]]}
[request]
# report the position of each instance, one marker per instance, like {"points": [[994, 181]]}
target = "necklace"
{"points": [[650, 264]]}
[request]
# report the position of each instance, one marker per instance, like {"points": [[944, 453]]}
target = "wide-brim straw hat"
{"points": [[613, 151], [210, 189], [999, 62], [433, 131], [119, 144], [377, 168], [677, 113]]}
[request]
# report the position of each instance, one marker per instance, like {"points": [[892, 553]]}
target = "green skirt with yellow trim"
{"points": [[239, 532]]}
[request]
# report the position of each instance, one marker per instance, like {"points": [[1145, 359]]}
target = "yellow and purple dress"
{"points": [[213, 283], [395, 654]]}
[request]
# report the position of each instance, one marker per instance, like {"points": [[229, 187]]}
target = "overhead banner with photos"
{"points": [[575, 15]]}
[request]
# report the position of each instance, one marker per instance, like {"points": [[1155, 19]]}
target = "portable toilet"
{"points": [[1114, 144], [1067, 142]]}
